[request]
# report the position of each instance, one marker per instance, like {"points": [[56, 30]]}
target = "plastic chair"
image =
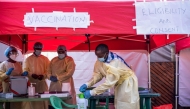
{"points": [[57, 103]]}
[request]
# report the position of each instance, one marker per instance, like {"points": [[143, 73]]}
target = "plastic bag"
{"points": [[166, 106]]}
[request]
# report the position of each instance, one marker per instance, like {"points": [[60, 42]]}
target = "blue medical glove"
{"points": [[83, 88], [9, 71], [25, 73], [53, 78], [87, 94]]}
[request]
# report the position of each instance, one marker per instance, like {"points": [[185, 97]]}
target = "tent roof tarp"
{"points": [[108, 17], [112, 25], [182, 44]]}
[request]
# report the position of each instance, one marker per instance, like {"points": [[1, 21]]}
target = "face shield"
{"points": [[11, 51]]}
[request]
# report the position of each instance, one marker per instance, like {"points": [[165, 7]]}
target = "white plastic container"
{"points": [[81, 102], [31, 90]]}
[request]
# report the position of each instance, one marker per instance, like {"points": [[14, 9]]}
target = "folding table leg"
{"points": [[148, 103], [1, 105], [92, 103], [141, 103]]}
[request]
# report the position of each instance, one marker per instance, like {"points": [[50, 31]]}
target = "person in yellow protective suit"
{"points": [[60, 71], [118, 75], [10, 68], [36, 65]]}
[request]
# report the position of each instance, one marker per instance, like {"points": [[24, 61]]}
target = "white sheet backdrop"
{"points": [[184, 77], [85, 63]]}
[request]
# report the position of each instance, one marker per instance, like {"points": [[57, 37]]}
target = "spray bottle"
{"points": [[81, 102], [31, 90]]}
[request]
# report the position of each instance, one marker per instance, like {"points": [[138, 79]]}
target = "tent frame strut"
{"points": [[24, 44], [88, 41], [107, 38]]}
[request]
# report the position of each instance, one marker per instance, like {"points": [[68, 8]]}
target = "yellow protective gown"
{"points": [[63, 69], [37, 65], [122, 78], [4, 66]]}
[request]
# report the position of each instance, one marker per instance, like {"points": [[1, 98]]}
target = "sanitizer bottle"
{"points": [[31, 90], [81, 102]]}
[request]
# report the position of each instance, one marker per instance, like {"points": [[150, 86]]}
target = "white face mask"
{"points": [[102, 59], [38, 52], [13, 57], [61, 56]]}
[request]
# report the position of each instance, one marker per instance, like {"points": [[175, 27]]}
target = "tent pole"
{"points": [[148, 49], [149, 79], [177, 81], [24, 44]]}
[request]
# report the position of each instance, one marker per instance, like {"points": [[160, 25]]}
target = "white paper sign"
{"points": [[57, 19], [170, 17]]}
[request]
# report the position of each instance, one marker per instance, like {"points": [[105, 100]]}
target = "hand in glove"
{"points": [[34, 76], [40, 77], [87, 94], [7, 80], [83, 88], [53, 78], [9, 71], [25, 73]]}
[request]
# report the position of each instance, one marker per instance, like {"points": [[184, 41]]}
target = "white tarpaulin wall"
{"points": [[163, 54], [85, 63], [184, 77]]}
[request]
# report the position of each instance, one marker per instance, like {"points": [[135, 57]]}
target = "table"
{"points": [[21, 99], [144, 98]]}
